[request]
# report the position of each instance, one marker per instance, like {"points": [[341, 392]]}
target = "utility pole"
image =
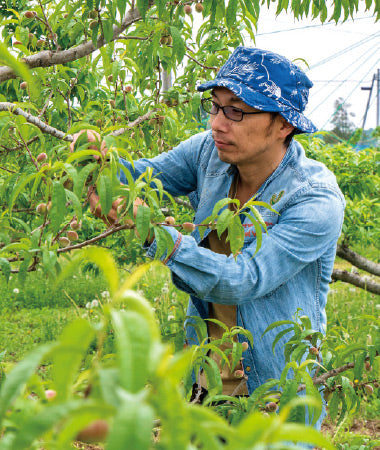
{"points": [[376, 77]]}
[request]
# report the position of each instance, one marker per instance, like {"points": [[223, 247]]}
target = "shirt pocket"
{"points": [[270, 218]]}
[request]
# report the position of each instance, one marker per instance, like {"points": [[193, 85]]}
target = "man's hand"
{"points": [[111, 218], [92, 136]]}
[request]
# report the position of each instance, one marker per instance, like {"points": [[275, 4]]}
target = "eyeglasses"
{"points": [[232, 113]]}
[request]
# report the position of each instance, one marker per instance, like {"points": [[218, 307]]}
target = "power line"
{"points": [[348, 96], [360, 81], [345, 50], [308, 26]]}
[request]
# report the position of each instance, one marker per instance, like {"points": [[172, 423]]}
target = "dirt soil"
{"points": [[368, 427]]}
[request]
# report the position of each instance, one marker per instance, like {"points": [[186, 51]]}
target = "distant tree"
{"points": [[343, 126]]}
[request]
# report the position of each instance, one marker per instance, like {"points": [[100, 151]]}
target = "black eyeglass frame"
{"points": [[225, 109]]}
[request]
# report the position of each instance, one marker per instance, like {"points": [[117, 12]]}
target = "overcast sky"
{"points": [[342, 58]]}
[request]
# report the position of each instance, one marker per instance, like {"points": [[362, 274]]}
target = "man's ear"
{"points": [[285, 127]]}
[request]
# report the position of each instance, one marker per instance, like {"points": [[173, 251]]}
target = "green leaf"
{"points": [[81, 178], [104, 188], [142, 6], [107, 29], [74, 200], [68, 355], [24, 181], [58, 206], [223, 221], [236, 235], [121, 6], [104, 260], [5, 268], [132, 427], [134, 339], [277, 324], [19, 375], [143, 222], [279, 336], [179, 46], [231, 13]]}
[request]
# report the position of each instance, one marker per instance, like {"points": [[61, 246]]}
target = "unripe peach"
{"points": [[188, 226], [92, 25], [93, 14], [271, 407], [50, 394], [99, 122], [141, 133], [72, 235], [96, 431], [66, 15], [169, 40], [368, 389], [198, 7], [244, 346], [52, 36], [30, 36], [42, 157], [170, 220], [128, 89], [40, 43], [239, 373], [75, 225], [112, 103], [313, 351], [23, 85], [30, 14], [110, 78], [133, 135], [64, 241], [164, 40], [327, 394], [368, 366], [187, 9], [17, 43], [41, 208], [376, 384]]}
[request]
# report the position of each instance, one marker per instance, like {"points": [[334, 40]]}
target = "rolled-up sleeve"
{"points": [[306, 229]]}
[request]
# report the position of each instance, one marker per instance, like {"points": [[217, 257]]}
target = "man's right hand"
{"points": [[92, 136]]}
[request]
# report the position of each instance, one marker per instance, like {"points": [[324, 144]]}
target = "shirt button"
{"points": [[248, 369]]}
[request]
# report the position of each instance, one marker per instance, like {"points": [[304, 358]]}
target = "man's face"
{"points": [[255, 138]]}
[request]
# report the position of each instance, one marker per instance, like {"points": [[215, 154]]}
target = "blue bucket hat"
{"points": [[268, 82]]}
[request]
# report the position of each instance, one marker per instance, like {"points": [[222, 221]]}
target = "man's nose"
{"points": [[219, 121]]}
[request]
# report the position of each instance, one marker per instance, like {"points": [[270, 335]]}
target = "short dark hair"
{"points": [[289, 137]]}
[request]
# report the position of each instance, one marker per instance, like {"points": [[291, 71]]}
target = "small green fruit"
{"points": [[40, 43], [239, 373], [170, 220], [23, 85], [198, 7], [72, 235], [271, 407], [110, 78], [41, 208], [188, 226], [96, 431], [75, 225], [244, 346], [368, 389], [93, 14], [64, 241], [313, 351], [30, 14], [93, 24], [42, 157], [187, 9], [128, 89]]}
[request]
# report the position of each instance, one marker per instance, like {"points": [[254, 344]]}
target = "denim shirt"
{"points": [[291, 270]]}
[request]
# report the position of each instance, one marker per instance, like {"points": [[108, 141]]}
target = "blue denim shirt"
{"points": [[291, 270]]}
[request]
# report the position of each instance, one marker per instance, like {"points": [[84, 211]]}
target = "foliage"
{"points": [[136, 393], [358, 176], [343, 125]]}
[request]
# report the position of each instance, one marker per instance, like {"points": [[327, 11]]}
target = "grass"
{"points": [[38, 311]]}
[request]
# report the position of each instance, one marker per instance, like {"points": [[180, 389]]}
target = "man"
{"points": [[256, 106]]}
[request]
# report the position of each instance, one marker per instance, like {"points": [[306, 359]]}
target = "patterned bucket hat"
{"points": [[268, 82]]}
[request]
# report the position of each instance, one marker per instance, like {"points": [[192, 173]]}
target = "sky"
{"points": [[341, 59]]}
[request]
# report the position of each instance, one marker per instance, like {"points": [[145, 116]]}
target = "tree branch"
{"points": [[45, 128], [325, 376], [352, 278], [48, 58], [357, 260]]}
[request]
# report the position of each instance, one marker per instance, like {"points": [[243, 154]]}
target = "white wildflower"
{"points": [[88, 305], [352, 289], [171, 317], [94, 303], [16, 291], [377, 306], [105, 294], [156, 299], [165, 290], [140, 292]]}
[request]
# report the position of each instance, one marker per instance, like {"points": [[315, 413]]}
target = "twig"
{"points": [[43, 110], [30, 153], [134, 123]]}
